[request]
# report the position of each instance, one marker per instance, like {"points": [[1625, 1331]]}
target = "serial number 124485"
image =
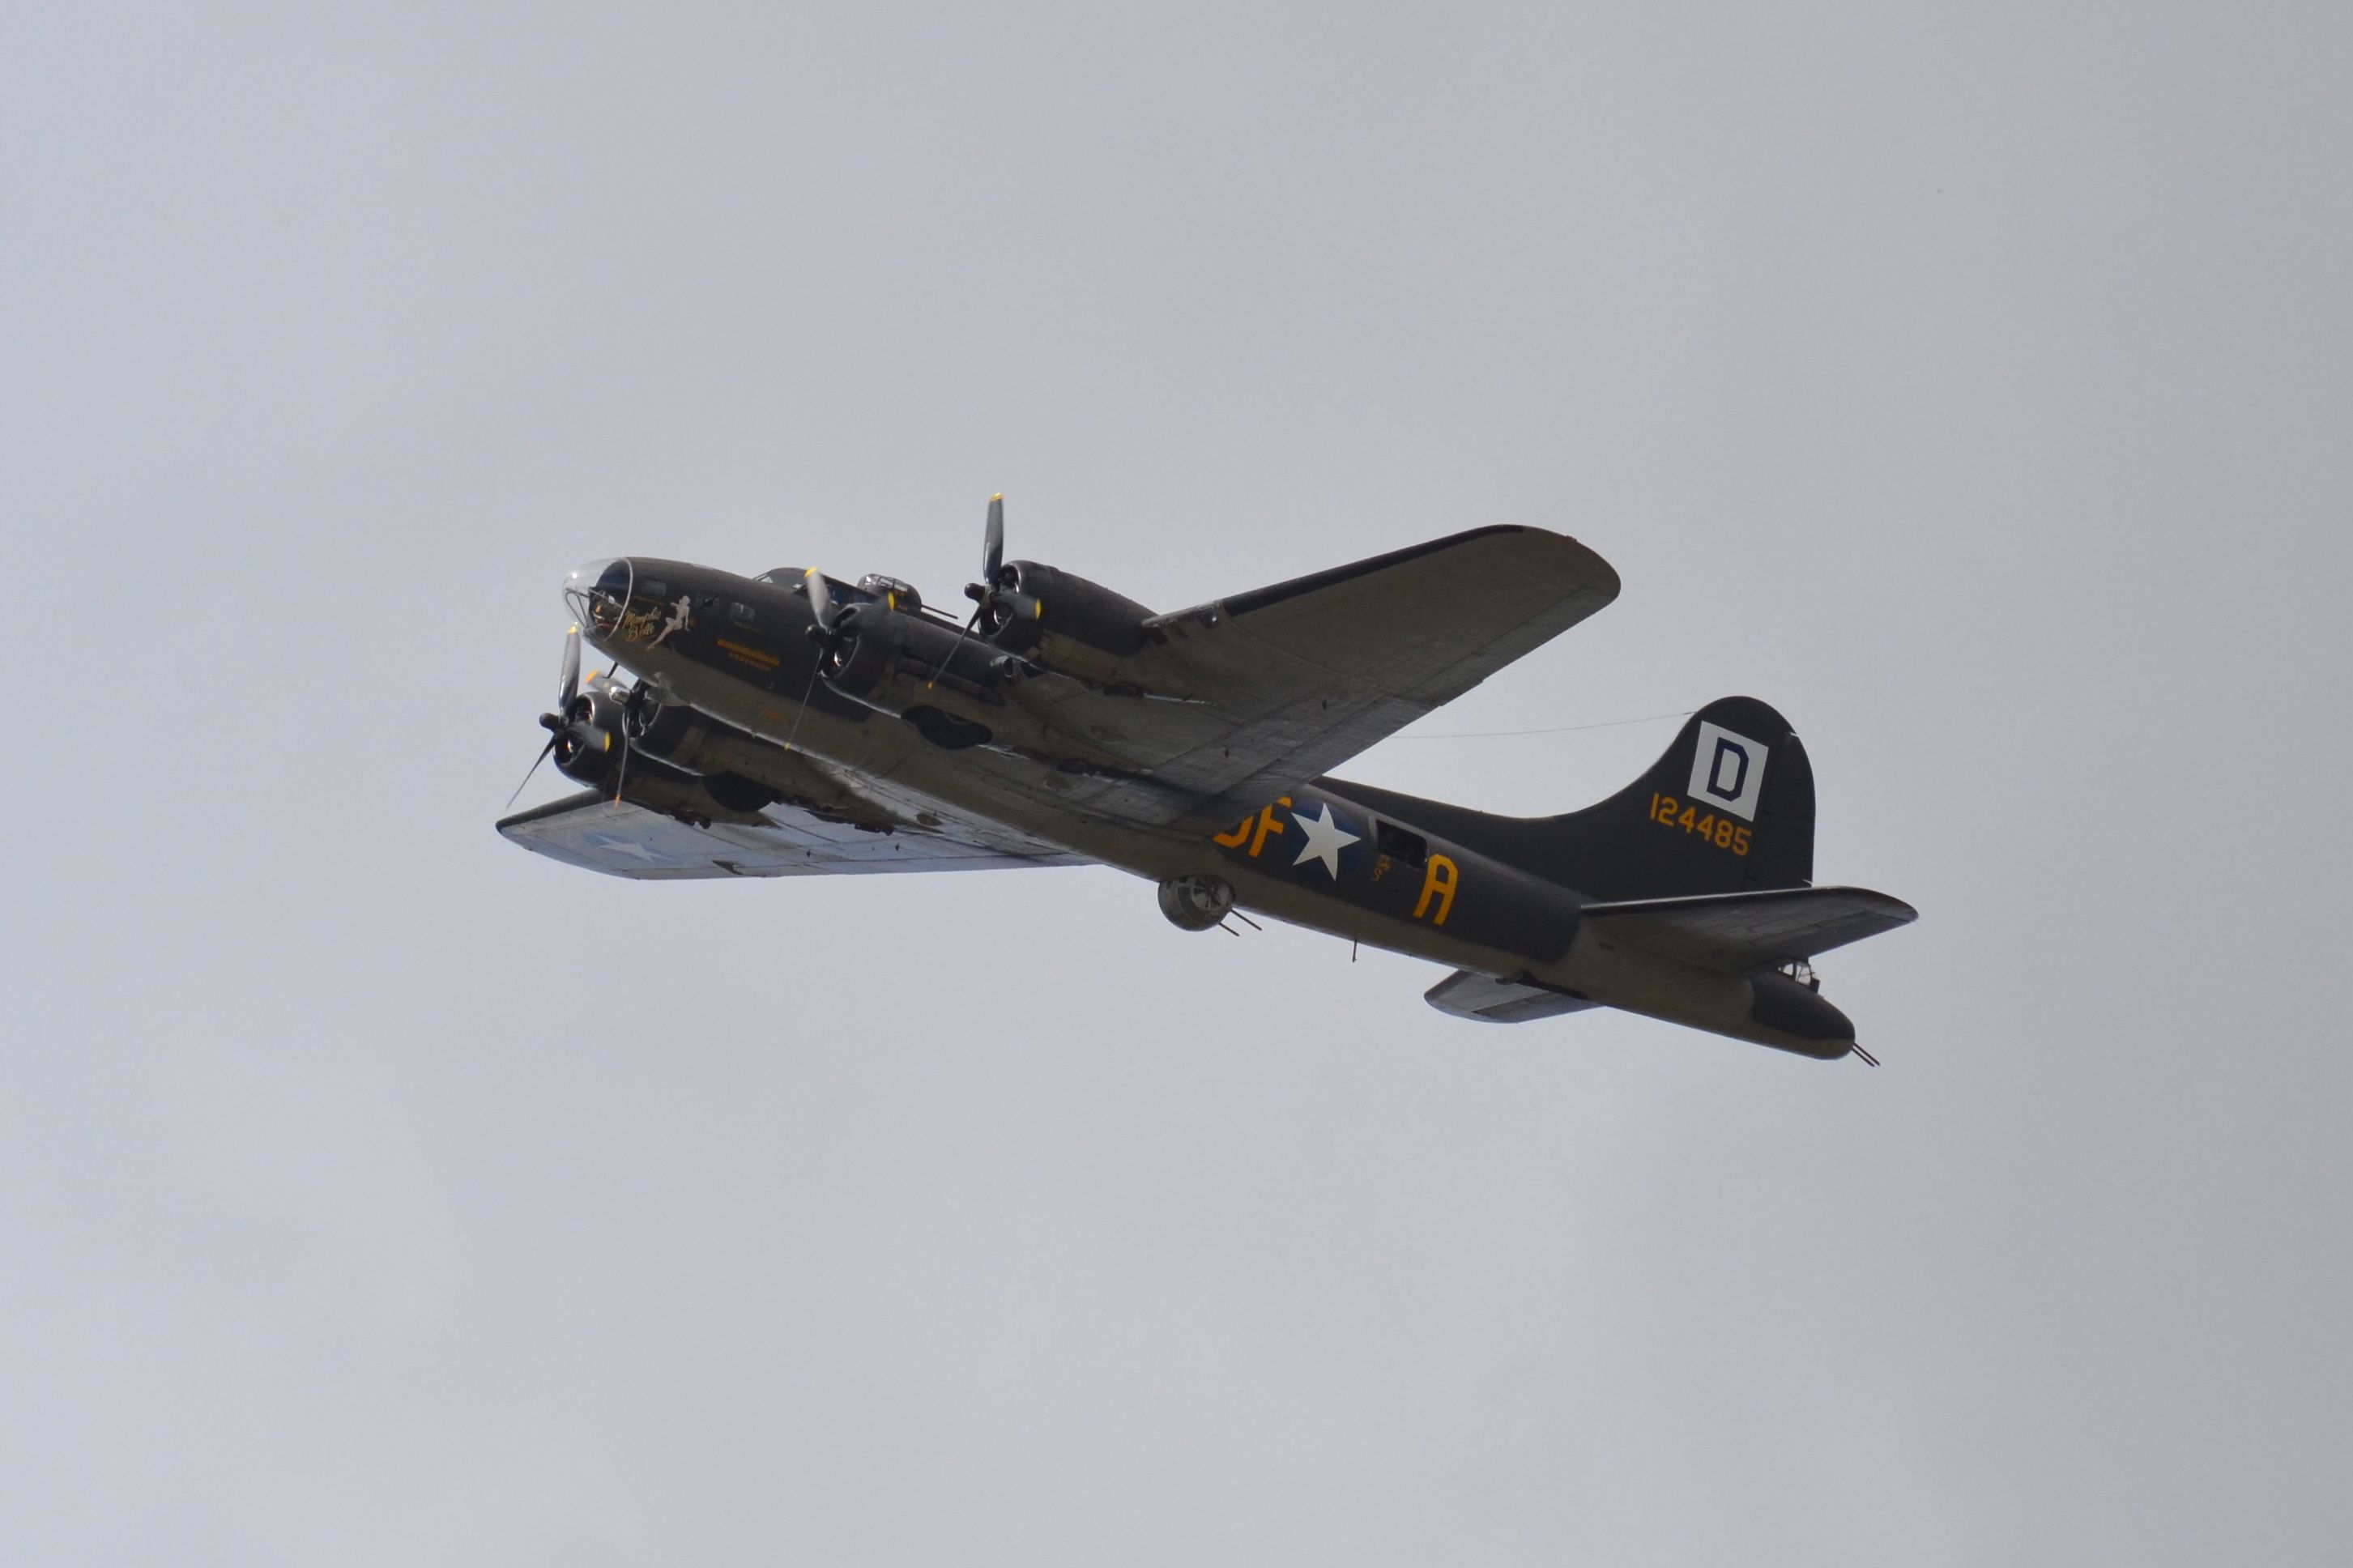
{"points": [[1720, 831]]}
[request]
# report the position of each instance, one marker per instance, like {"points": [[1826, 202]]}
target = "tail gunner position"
{"points": [[791, 724]]}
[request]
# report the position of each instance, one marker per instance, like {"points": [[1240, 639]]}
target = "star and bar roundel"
{"points": [[1318, 837]]}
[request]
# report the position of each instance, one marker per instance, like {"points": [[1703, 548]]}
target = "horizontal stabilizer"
{"points": [[1467, 993], [1743, 933]]}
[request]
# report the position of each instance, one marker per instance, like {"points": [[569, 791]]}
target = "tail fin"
{"points": [[1728, 808]]}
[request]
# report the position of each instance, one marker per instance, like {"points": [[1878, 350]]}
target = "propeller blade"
{"points": [[820, 598], [535, 768], [977, 611], [638, 712], [571, 686], [992, 549]]}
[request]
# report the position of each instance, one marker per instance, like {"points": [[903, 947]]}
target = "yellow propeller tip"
{"points": [[998, 496]]}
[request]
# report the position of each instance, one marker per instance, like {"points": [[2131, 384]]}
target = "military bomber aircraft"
{"points": [[791, 724]]}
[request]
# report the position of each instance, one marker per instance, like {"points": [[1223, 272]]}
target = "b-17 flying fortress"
{"points": [[791, 724]]}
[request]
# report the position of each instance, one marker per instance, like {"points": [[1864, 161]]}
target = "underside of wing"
{"points": [[1467, 993], [1282, 684], [1743, 933], [620, 839]]}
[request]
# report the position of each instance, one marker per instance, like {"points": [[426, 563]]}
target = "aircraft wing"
{"points": [[1269, 689], [623, 840], [1743, 933]]}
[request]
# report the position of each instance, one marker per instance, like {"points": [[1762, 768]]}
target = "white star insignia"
{"points": [[614, 844], [1325, 839]]}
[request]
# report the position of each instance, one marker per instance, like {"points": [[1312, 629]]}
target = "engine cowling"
{"points": [[946, 683], [592, 735], [691, 741], [1035, 602], [939, 681], [868, 640]]}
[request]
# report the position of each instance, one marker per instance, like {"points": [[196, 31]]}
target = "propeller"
{"points": [[569, 720], [992, 560], [992, 541], [820, 598], [532, 769], [828, 636], [569, 686], [996, 601], [836, 625]]}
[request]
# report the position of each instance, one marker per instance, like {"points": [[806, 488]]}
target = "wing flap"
{"points": [[620, 839], [1743, 932]]}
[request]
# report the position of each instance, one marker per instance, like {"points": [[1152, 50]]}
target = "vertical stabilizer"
{"points": [[1728, 807]]}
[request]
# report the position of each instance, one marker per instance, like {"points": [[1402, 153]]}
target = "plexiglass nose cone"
{"points": [[598, 594]]}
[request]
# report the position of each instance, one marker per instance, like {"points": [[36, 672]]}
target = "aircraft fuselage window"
{"points": [[1398, 844], [742, 614]]}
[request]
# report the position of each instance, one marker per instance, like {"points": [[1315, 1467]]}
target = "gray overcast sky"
{"points": [[1970, 381]]}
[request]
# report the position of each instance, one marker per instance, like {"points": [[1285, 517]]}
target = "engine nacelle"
{"points": [[734, 764], [937, 679], [593, 733], [1036, 602], [1197, 903], [871, 641]]}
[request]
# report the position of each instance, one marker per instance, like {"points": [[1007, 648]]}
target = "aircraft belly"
{"points": [[1262, 894]]}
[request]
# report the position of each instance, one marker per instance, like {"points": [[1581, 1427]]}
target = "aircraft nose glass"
{"points": [[598, 594]]}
